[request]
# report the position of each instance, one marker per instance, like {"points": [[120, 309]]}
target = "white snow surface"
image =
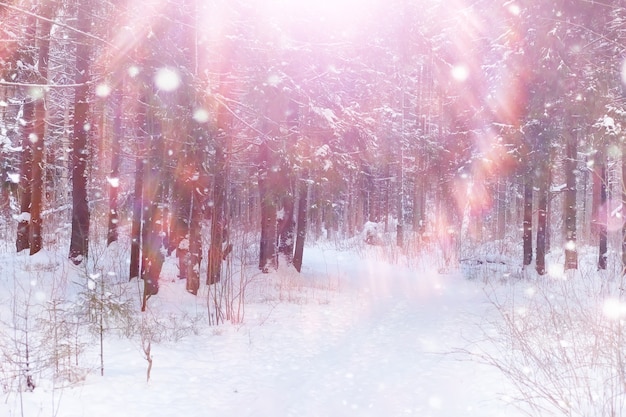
{"points": [[352, 335]]}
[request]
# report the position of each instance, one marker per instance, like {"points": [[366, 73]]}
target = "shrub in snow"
{"points": [[562, 343], [106, 306]]}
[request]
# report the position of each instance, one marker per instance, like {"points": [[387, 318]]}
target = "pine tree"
{"points": [[79, 244]]}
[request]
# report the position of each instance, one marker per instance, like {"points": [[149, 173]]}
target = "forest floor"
{"points": [[353, 335]]}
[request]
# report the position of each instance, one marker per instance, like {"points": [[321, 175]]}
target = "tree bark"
{"points": [[623, 208], [23, 226], [528, 221], [79, 244], [400, 202], [571, 252], [542, 222], [138, 201], [26, 166], [286, 226], [39, 131], [501, 207], [152, 245], [182, 196], [602, 212], [301, 225], [195, 245], [218, 218], [113, 183], [267, 249]]}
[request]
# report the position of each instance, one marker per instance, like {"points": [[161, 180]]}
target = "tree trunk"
{"points": [[286, 225], [624, 208], [36, 188], [528, 221], [79, 244], [152, 245], [39, 132], [602, 211], [218, 218], [138, 201], [351, 207], [182, 196], [419, 205], [23, 226], [542, 222], [501, 207], [152, 249], [114, 175], [195, 245], [267, 249], [301, 225], [571, 252], [400, 202], [28, 115]]}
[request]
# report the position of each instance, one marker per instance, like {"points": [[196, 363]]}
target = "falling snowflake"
{"points": [[133, 71], [273, 80], [201, 116], [514, 9], [103, 90], [167, 79]]}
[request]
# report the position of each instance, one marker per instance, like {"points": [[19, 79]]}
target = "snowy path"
{"points": [[391, 360], [375, 347]]}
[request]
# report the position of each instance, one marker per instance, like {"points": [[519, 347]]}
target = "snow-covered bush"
{"points": [[562, 342]]}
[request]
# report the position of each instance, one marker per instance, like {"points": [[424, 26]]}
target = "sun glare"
{"points": [[333, 18]]}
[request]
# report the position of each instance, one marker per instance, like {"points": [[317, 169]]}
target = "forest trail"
{"points": [[393, 358]]}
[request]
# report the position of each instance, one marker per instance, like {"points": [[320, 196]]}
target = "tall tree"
{"points": [[46, 12], [528, 220], [301, 223], [79, 244], [28, 115], [266, 181], [222, 143], [286, 222], [138, 201], [542, 213], [602, 186], [624, 207], [153, 221], [571, 147], [114, 173], [37, 34], [218, 213]]}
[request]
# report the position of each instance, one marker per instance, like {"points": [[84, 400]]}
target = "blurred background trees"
{"points": [[168, 125]]}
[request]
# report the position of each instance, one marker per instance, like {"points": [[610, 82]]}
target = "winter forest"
{"points": [[210, 151]]}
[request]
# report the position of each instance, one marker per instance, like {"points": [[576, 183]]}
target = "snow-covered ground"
{"points": [[353, 335]]}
